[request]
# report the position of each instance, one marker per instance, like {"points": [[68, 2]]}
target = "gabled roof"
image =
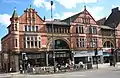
{"points": [[101, 21], [114, 18], [74, 17], [29, 10], [57, 23]]}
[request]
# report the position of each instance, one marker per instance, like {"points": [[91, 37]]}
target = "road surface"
{"points": [[109, 72]]}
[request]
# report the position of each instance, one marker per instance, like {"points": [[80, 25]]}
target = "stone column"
{"points": [[46, 59], [102, 58], [73, 59], [16, 57]]}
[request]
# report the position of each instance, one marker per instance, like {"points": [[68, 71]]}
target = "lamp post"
{"points": [[96, 53], [113, 56], [9, 65], [115, 53], [53, 37]]}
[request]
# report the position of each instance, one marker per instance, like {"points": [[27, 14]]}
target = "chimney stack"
{"points": [[115, 9]]}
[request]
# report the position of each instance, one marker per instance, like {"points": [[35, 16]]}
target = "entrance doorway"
{"points": [[62, 52]]}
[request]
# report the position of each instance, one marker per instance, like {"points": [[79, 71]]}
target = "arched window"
{"points": [[108, 44], [59, 44]]}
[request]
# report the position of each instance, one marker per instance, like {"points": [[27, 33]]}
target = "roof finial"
{"points": [[14, 13], [84, 7], [30, 6], [15, 8]]}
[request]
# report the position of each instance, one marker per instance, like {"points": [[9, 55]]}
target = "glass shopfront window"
{"points": [[36, 59]]}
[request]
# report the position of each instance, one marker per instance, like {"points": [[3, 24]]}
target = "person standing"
{"points": [[21, 69]]}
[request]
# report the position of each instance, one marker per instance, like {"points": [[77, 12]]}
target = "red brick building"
{"points": [[110, 33], [75, 38]]}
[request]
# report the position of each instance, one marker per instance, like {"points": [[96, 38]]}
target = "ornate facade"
{"points": [[71, 39], [110, 34]]}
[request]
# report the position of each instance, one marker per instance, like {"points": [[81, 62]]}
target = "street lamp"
{"points": [[96, 53], [115, 55], [53, 46]]}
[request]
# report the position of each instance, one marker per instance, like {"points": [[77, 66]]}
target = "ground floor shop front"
{"points": [[47, 58], [88, 56], [108, 55], [12, 62], [50, 58]]}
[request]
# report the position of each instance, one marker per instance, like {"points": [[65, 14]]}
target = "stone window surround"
{"points": [[31, 28], [80, 42], [79, 29], [33, 39]]}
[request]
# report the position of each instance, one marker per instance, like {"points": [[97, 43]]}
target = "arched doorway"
{"points": [[62, 52], [108, 44], [107, 51], [61, 44]]}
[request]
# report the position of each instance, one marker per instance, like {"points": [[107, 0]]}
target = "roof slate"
{"points": [[72, 18], [113, 19], [56, 22]]}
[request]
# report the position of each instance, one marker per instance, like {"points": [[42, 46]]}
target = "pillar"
{"points": [[16, 57], [102, 58], [73, 59], [46, 59]]}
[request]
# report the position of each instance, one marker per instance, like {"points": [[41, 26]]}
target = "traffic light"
{"points": [[96, 52], [23, 56]]}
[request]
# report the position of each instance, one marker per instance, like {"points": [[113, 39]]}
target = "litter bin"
{"points": [[89, 65]]}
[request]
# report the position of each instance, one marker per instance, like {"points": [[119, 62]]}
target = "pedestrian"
{"points": [[33, 70], [11, 69], [81, 64], [21, 69], [28, 68], [59, 66]]}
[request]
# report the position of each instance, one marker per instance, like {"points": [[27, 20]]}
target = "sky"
{"points": [[61, 9]]}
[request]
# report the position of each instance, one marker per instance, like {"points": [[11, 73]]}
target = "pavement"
{"points": [[105, 65], [101, 67], [105, 72]]}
